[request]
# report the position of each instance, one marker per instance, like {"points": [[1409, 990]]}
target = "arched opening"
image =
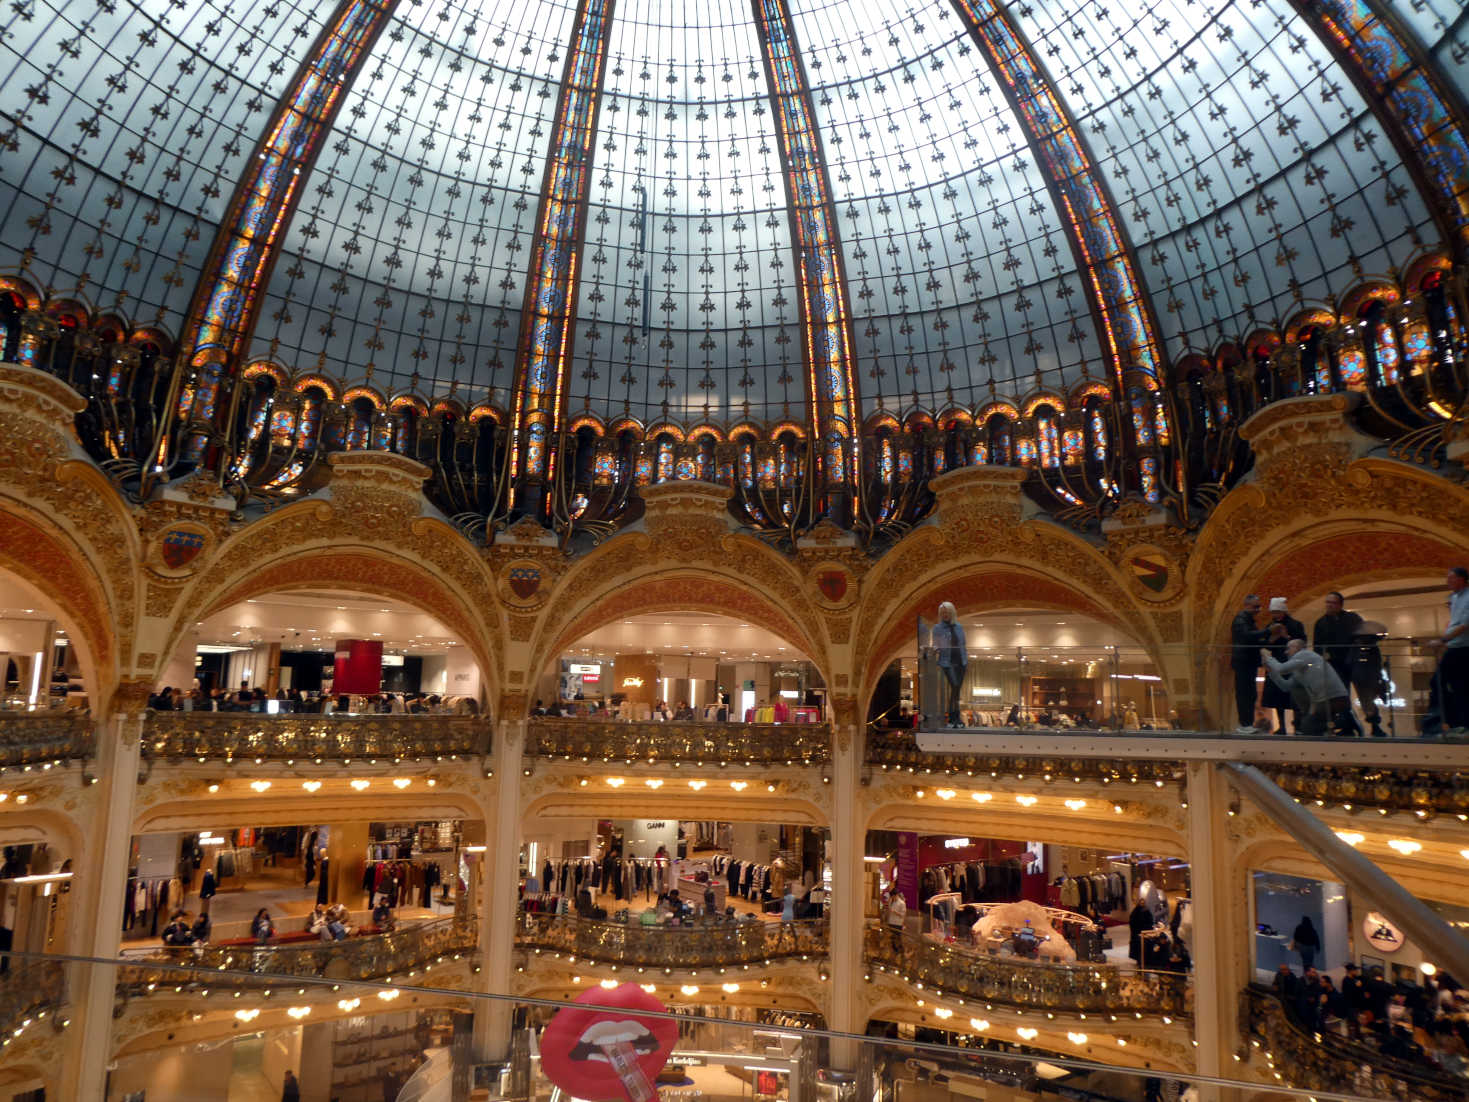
{"points": [[322, 650], [681, 666], [42, 665], [1025, 667]]}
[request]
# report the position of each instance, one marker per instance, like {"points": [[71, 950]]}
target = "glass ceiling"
{"points": [[1247, 170]]}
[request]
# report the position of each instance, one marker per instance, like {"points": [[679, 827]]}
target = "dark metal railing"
{"points": [[699, 945], [1080, 987], [729, 743], [304, 736], [30, 738], [31, 990]]}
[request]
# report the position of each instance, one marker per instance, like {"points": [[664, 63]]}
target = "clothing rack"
{"points": [[148, 897], [994, 880], [542, 903]]}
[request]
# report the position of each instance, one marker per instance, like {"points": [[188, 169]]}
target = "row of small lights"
{"points": [[1025, 1033], [945, 1012], [657, 783], [24, 1024], [687, 989], [1105, 778], [359, 784], [1024, 800], [586, 760], [1421, 813], [667, 971], [1405, 846], [299, 1012], [229, 758]]}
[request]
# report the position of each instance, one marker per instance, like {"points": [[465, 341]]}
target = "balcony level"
{"points": [[718, 945], [588, 740], [299, 737], [45, 737]]}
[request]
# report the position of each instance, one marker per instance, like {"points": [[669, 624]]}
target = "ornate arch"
{"points": [[673, 589]]}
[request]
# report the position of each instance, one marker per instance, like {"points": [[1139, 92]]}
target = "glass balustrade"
{"points": [[415, 1040]]}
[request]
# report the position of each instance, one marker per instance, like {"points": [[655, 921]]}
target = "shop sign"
{"points": [[584, 668], [1381, 934], [956, 843], [632, 682], [601, 1050]]}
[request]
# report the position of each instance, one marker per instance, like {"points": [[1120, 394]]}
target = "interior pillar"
{"points": [[346, 850], [847, 1006], [97, 910], [497, 907], [1220, 940]]}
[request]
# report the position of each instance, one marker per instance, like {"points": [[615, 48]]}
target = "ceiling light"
{"points": [[648, 987], [729, 988], [978, 1024], [739, 786], [697, 785], [359, 784], [299, 1012], [260, 786], [311, 786], [215, 788], [401, 782], [615, 782], [608, 985], [1026, 1034], [348, 1005], [389, 995], [247, 1015], [1351, 837], [942, 1012], [653, 782], [981, 797], [689, 989], [1405, 847], [944, 793], [1076, 1038], [1076, 805], [1025, 801]]}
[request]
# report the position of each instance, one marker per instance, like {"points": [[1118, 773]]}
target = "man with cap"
{"points": [[1245, 640], [1282, 628]]}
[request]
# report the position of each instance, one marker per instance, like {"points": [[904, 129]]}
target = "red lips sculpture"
{"points": [[602, 1051]]}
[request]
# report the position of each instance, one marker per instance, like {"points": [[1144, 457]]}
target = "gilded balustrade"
{"points": [[725, 743], [30, 990], [701, 945], [898, 752], [364, 957], [1358, 786], [302, 736], [31, 738], [1329, 1062], [1013, 981]]}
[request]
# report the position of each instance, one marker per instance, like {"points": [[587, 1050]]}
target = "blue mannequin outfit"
{"points": [[948, 641]]}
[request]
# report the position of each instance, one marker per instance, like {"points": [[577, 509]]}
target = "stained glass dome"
{"points": [[1246, 173]]}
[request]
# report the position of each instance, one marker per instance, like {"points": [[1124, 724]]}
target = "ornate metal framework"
{"points": [[255, 736], [700, 946], [227, 302], [1422, 114], [61, 734], [546, 325], [826, 312], [1103, 255], [726, 743]]}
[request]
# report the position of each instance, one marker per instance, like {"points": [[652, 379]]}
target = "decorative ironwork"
{"points": [[546, 332], [30, 991], [897, 752], [31, 738], [306, 736], [365, 957], [1308, 1060], [1425, 791], [826, 314], [702, 945], [1102, 253], [227, 302], [728, 743], [947, 969]]}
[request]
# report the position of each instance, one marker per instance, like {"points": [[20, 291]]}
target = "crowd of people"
{"points": [[246, 699], [1309, 681], [1424, 1022]]}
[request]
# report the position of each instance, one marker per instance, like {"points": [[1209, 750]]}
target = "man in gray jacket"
{"points": [[1317, 691]]}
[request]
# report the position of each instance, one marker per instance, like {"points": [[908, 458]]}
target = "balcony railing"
{"points": [[703, 945], [305, 736], [32, 738], [1329, 1062], [366, 957], [30, 990], [699, 743], [1084, 988]]}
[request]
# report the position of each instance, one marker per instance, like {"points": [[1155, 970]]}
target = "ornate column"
{"points": [[1220, 948], [501, 876], [102, 877], [848, 836]]}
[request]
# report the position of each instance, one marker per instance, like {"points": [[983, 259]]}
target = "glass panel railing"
{"points": [[196, 1037], [1385, 687]]}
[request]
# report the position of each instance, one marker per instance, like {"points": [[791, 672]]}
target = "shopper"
{"points": [[176, 933], [1316, 692], [952, 652], [1281, 629], [897, 917], [1307, 941], [290, 1088], [261, 927], [199, 932], [1340, 638], [1245, 640], [1453, 664]]}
